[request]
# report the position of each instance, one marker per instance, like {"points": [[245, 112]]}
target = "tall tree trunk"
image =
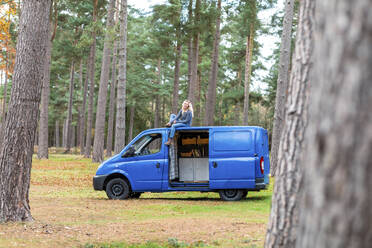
{"points": [[92, 59], [195, 55], [157, 101], [282, 83], [283, 223], [176, 86], [42, 151], [82, 112], [122, 76], [64, 133], [189, 45], [211, 95], [131, 122], [110, 128], [21, 122], [247, 74], [336, 207], [57, 134], [45, 93], [81, 86], [99, 137], [5, 93], [237, 107], [69, 114]]}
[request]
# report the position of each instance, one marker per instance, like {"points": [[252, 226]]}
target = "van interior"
{"points": [[189, 159]]}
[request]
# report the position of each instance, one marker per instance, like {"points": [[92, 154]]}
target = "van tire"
{"points": [[231, 194], [117, 189]]}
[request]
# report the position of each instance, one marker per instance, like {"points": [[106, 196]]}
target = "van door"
{"points": [[145, 164], [231, 159]]}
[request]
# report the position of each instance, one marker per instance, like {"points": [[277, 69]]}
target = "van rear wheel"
{"points": [[231, 194], [117, 189]]}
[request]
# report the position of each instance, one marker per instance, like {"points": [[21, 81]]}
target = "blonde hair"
{"points": [[189, 108]]}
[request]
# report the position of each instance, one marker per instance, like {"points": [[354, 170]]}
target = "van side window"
{"points": [[148, 144]]}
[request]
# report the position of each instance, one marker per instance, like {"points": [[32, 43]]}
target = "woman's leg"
{"points": [[171, 119], [173, 129]]}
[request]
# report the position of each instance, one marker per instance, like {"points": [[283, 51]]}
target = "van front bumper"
{"points": [[99, 181]]}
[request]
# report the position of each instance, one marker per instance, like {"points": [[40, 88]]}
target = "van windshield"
{"points": [[147, 144]]}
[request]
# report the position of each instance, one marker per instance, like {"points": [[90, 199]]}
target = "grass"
{"points": [[69, 213]]}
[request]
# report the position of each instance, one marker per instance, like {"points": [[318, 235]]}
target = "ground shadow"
{"points": [[207, 199]]}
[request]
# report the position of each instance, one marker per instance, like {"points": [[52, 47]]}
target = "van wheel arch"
{"points": [[116, 175]]}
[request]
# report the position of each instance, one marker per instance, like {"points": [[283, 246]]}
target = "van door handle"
{"points": [[157, 165], [214, 164]]}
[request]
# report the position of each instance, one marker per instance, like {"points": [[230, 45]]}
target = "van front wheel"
{"points": [[231, 194], [117, 189]]}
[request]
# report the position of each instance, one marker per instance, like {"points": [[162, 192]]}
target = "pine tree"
{"points": [[21, 122]]}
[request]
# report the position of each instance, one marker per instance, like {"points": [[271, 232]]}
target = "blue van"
{"points": [[227, 160]]}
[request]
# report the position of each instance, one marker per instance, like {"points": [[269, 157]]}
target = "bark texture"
{"points": [[92, 59], [176, 85], [57, 134], [110, 127], [99, 136], [336, 208], [211, 95], [131, 122], [122, 80], [247, 74], [83, 113], [282, 83], [283, 223], [195, 56], [42, 151], [21, 122], [157, 100], [69, 109]]}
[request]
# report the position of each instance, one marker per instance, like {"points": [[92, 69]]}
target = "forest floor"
{"points": [[69, 213]]}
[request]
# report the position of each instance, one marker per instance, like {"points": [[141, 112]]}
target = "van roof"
{"points": [[209, 127]]}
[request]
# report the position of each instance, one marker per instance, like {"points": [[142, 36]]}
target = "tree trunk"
{"points": [[237, 107], [195, 56], [122, 76], [5, 93], [82, 113], [64, 133], [211, 95], [92, 59], [81, 86], [110, 128], [283, 223], [42, 151], [99, 136], [57, 134], [282, 83], [131, 122], [176, 86], [247, 74], [189, 45], [157, 101], [69, 114], [336, 207], [21, 122]]}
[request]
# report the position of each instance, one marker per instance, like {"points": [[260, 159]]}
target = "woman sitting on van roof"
{"points": [[182, 119]]}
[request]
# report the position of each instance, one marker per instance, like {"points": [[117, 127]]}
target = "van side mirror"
{"points": [[129, 153]]}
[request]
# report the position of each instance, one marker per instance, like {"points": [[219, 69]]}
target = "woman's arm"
{"points": [[178, 115], [188, 118]]}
